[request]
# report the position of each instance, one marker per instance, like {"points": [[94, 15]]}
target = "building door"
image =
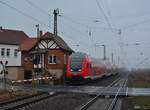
{"points": [[27, 74]]}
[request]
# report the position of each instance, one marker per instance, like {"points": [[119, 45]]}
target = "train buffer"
{"points": [[94, 90]]}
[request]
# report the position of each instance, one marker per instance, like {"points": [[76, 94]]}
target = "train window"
{"points": [[76, 62]]}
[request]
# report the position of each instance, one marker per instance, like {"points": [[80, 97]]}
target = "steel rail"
{"points": [[18, 99], [25, 101], [90, 102], [114, 101]]}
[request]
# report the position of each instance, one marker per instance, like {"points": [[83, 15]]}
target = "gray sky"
{"points": [[78, 17]]}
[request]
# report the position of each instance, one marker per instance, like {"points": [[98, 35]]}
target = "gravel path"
{"points": [[61, 102]]}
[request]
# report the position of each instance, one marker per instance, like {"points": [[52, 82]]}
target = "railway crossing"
{"points": [[93, 90]]}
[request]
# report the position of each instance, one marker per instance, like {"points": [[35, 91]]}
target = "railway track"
{"points": [[24, 101], [42, 101], [111, 104]]}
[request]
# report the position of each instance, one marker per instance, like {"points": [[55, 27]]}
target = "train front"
{"points": [[76, 67]]}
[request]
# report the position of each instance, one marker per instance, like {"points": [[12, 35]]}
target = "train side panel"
{"points": [[81, 67]]}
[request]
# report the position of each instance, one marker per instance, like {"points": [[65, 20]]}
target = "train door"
{"points": [[89, 68]]}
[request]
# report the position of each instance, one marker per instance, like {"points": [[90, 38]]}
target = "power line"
{"points": [[145, 59], [82, 18], [78, 40], [75, 29], [85, 36], [37, 7], [24, 14], [89, 36], [108, 8], [73, 21], [136, 24], [107, 20], [85, 25]]}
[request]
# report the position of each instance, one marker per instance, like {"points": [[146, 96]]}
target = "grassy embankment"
{"points": [[138, 80]]}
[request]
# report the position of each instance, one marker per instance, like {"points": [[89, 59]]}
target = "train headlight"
{"points": [[71, 70], [79, 69]]}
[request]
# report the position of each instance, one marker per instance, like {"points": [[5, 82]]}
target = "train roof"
{"points": [[78, 54], [92, 59]]}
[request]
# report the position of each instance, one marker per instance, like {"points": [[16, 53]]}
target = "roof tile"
{"points": [[12, 37], [29, 43]]}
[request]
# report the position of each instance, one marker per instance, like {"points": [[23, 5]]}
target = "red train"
{"points": [[81, 67]]}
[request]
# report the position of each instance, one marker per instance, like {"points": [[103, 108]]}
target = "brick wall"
{"points": [[15, 73], [26, 61]]}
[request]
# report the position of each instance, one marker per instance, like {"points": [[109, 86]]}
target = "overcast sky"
{"points": [[78, 17]]}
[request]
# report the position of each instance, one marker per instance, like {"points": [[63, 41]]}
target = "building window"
{"points": [[15, 53], [2, 52], [8, 52], [52, 59]]}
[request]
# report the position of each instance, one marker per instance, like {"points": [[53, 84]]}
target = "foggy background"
{"points": [[84, 23]]}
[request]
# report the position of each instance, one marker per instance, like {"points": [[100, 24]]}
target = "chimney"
{"points": [[41, 33]]}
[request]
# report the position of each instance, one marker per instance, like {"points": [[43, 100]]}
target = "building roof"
{"points": [[11, 37], [62, 44], [29, 43]]}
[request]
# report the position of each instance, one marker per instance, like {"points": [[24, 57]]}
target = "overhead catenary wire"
{"points": [[73, 21], [24, 14], [135, 24], [145, 59], [78, 40], [108, 8], [37, 7], [86, 25], [82, 34], [75, 29], [29, 16], [40, 9], [106, 18]]}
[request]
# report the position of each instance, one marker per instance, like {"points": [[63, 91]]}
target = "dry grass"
{"points": [[5, 96], [139, 80], [136, 103]]}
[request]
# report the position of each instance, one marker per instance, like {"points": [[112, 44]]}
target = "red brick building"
{"points": [[44, 56]]}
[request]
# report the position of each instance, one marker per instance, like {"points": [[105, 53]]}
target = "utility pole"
{"points": [[104, 49], [56, 12], [49, 21], [112, 57], [118, 60], [37, 53], [38, 32]]}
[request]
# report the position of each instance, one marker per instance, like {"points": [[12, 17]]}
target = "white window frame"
{"points": [[15, 53], [8, 52], [52, 55], [3, 50]]}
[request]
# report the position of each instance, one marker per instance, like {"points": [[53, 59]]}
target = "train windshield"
{"points": [[76, 62]]}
